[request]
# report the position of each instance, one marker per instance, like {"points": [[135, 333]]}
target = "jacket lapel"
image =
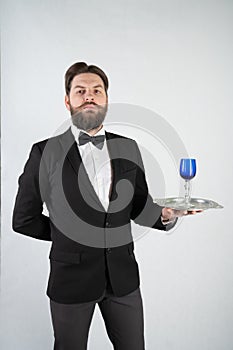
{"points": [[123, 157], [115, 163], [73, 156]]}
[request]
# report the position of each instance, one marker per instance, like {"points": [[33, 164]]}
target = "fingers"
{"points": [[179, 213], [171, 214], [193, 212]]}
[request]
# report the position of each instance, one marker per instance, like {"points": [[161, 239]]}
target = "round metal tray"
{"points": [[178, 203]]}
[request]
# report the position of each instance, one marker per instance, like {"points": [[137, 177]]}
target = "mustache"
{"points": [[99, 107], [78, 111], [88, 103]]}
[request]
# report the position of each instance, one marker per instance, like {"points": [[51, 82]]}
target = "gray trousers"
{"points": [[123, 317]]}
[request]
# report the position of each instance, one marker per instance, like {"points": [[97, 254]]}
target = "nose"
{"points": [[89, 96]]}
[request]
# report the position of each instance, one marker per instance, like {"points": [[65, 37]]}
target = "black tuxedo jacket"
{"points": [[86, 239]]}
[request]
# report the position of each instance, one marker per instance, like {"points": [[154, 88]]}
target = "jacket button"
{"points": [[109, 250], [108, 224]]}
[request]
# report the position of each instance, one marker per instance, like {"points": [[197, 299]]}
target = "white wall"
{"points": [[175, 58]]}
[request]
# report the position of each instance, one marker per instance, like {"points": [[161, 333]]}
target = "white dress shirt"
{"points": [[97, 164]]}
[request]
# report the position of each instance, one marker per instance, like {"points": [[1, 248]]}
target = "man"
{"points": [[93, 183]]}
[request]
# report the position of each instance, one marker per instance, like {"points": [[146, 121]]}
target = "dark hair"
{"points": [[79, 68]]}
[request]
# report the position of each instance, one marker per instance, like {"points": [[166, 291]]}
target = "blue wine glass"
{"points": [[187, 172]]}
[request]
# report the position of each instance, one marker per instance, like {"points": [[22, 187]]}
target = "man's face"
{"points": [[87, 101]]}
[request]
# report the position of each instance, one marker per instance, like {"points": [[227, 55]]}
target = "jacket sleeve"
{"points": [[144, 211], [27, 215]]}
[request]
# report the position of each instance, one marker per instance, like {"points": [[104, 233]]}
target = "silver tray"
{"points": [[178, 203]]}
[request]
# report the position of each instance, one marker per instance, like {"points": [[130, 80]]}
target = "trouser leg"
{"points": [[71, 323], [123, 318]]}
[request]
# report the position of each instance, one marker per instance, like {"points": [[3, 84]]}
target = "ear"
{"points": [[67, 102]]}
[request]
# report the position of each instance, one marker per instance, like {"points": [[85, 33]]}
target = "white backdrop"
{"points": [[173, 57]]}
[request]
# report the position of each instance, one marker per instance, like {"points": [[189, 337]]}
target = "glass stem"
{"points": [[187, 191]]}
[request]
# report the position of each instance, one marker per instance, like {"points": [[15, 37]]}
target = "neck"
{"points": [[92, 132]]}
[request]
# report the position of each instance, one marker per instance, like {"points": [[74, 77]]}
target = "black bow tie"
{"points": [[98, 141]]}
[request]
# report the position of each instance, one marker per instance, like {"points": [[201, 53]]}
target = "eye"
{"points": [[80, 92], [97, 92]]}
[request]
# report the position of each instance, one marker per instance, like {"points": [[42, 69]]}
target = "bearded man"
{"points": [[93, 184]]}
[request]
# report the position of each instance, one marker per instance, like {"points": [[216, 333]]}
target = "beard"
{"points": [[90, 119]]}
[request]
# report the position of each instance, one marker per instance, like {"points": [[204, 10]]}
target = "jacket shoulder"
{"points": [[119, 136], [50, 140]]}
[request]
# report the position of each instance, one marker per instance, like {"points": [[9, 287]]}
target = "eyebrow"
{"points": [[83, 87]]}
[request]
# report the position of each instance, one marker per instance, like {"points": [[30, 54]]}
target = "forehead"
{"points": [[87, 79]]}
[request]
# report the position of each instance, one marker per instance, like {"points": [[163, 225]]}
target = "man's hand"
{"points": [[169, 214]]}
